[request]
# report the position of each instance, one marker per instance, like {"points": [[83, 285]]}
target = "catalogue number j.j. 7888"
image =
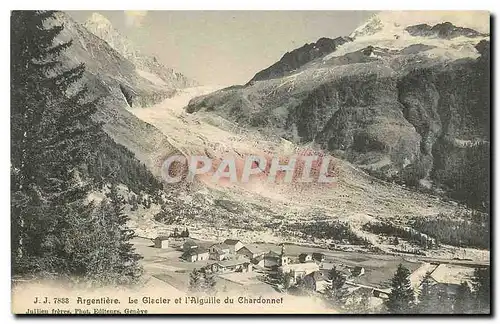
{"points": [[47, 300]]}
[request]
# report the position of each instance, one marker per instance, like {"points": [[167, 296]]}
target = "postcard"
{"points": [[250, 162]]}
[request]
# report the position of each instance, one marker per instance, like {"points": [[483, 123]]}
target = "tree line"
{"points": [[469, 229], [436, 299], [336, 230], [428, 298]]}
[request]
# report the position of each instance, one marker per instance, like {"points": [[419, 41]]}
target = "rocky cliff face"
{"points": [[117, 82], [148, 66], [402, 107], [445, 30], [297, 58]]}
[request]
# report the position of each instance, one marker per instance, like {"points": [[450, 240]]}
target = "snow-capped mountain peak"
{"points": [[450, 34], [146, 65], [99, 21], [388, 24]]}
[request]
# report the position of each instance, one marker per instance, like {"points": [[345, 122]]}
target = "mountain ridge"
{"points": [[391, 105], [115, 80], [297, 58], [147, 64]]}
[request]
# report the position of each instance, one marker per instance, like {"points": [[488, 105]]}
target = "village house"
{"points": [[327, 265], [271, 259], [219, 251], [189, 245], [352, 287], [305, 257], [284, 260], [357, 271], [161, 242], [299, 270], [234, 245], [316, 281], [448, 277], [196, 254], [344, 270], [250, 252], [320, 257], [259, 261], [237, 265]]}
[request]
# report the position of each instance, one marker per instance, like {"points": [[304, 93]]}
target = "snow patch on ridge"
{"points": [[386, 24], [387, 29]]}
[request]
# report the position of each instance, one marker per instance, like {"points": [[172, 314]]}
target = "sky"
{"points": [[226, 47]]}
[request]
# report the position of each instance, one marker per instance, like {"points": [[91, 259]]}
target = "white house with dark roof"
{"points": [[305, 257], [299, 270], [219, 251], [234, 245], [161, 242], [196, 254], [189, 244], [318, 256], [236, 265], [250, 251], [273, 259]]}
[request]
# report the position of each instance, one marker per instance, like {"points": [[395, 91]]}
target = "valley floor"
{"points": [[167, 266]]}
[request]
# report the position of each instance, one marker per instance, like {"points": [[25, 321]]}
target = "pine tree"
{"points": [[301, 288], [128, 262], [91, 245], [431, 300], [49, 120], [334, 291], [401, 298], [195, 281], [28, 104], [444, 302], [208, 282], [54, 230], [426, 299], [337, 278], [286, 281], [185, 233], [281, 280], [481, 285], [463, 303]]}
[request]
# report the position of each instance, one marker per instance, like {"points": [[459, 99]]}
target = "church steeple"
{"points": [[283, 258]]}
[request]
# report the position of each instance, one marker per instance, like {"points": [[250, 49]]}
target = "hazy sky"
{"points": [[226, 47]]}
